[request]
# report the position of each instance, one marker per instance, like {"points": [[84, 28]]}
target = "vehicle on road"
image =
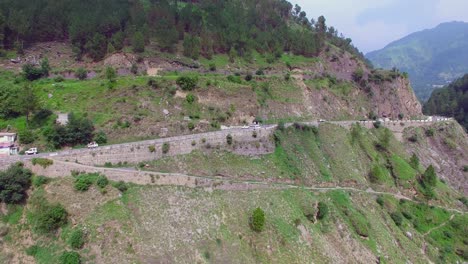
{"points": [[31, 151], [93, 145], [255, 126], [245, 127], [322, 120]]}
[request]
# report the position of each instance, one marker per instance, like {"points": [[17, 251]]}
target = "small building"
{"points": [[7, 144]]}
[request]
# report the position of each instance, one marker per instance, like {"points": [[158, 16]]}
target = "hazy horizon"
{"points": [[374, 24]]}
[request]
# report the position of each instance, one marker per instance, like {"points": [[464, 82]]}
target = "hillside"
{"points": [[432, 57], [451, 100], [343, 167], [293, 185]]}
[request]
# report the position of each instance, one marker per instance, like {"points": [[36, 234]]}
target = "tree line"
{"points": [[206, 27], [450, 101]]}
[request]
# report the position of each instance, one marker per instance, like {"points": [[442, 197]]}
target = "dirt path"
{"points": [[440, 226], [219, 183]]}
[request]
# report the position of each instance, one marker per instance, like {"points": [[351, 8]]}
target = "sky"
{"points": [[372, 24]]}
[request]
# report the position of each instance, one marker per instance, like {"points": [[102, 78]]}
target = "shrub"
{"points": [[414, 161], [59, 78], [377, 124], [358, 75], [121, 186], [38, 181], [48, 218], [111, 74], [215, 124], [76, 240], [429, 178], [465, 168], [31, 72], [377, 174], [190, 98], [138, 42], [81, 73], [187, 83], [430, 132], [248, 77], [191, 126], [165, 148], [32, 250], [42, 162], [84, 181], [102, 181], [254, 134], [234, 79], [151, 148], [100, 137], [380, 200], [212, 67], [229, 139], [14, 182], [26, 136], [70, 257], [258, 220], [322, 210], [260, 72], [397, 218]]}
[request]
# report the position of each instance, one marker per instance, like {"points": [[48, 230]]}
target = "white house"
{"points": [[7, 144]]}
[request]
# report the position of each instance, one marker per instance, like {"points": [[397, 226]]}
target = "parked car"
{"points": [[31, 151], [245, 127], [93, 145], [321, 120]]}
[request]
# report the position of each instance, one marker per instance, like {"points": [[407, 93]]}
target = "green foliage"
{"points": [[378, 174], [358, 75], [31, 72], [138, 42], [96, 47], [38, 181], [397, 218], [77, 131], [102, 181], [14, 182], [414, 161], [26, 136], [48, 217], [76, 239], [234, 79], [187, 83], [429, 177], [165, 148], [151, 148], [81, 73], [192, 46], [380, 200], [111, 74], [121, 186], [450, 101], [430, 132], [190, 98], [70, 257], [45, 67], [229, 139], [322, 210], [84, 181], [258, 220], [100, 138], [42, 162]]}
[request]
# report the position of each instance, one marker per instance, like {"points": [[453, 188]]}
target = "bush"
{"points": [[42, 162], [430, 132], [138, 42], [31, 72], [260, 72], [380, 201], [234, 79], [414, 162], [187, 83], [358, 75], [14, 182], [84, 181], [70, 257], [212, 67], [26, 136], [100, 138], [81, 73], [248, 77], [111, 74], [258, 220], [190, 98], [165, 148], [191, 126], [229, 139], [47, 218], [76, 240], [429, 178], [397, 218], [322, 210], [377, 124], [102, 181], [38, 181], [59, 78], [121, 186], [151, 148]]}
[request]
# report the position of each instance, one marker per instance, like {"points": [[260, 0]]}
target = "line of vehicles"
{"points": [[33, 151]]}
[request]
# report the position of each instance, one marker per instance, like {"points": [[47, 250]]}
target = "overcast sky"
{"points": [[372, 24]]}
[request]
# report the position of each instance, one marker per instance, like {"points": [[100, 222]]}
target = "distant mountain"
{"points": [[450, 101], [433, 57]]}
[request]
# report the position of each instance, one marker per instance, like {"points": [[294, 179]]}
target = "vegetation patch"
{"points": [[42, 162]]}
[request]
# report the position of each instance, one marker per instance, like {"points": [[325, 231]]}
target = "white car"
{"points": [[245, 127], [31, 151], [93, 145]]}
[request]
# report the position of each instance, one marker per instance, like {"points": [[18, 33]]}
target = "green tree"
{"points": [[70, 257], [76, 240], [429, 177], [111, 74], [97, 46], [45, 67], [414, 161], [138, 42], [187, 83], [192, 47], [110, 48], [27, 103], [31, 72], [81, 73], [258, 220], [322, 210], [14, 182]]}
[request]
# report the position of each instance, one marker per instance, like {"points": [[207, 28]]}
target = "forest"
{"points": [[450, 101], [205, 27]]}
